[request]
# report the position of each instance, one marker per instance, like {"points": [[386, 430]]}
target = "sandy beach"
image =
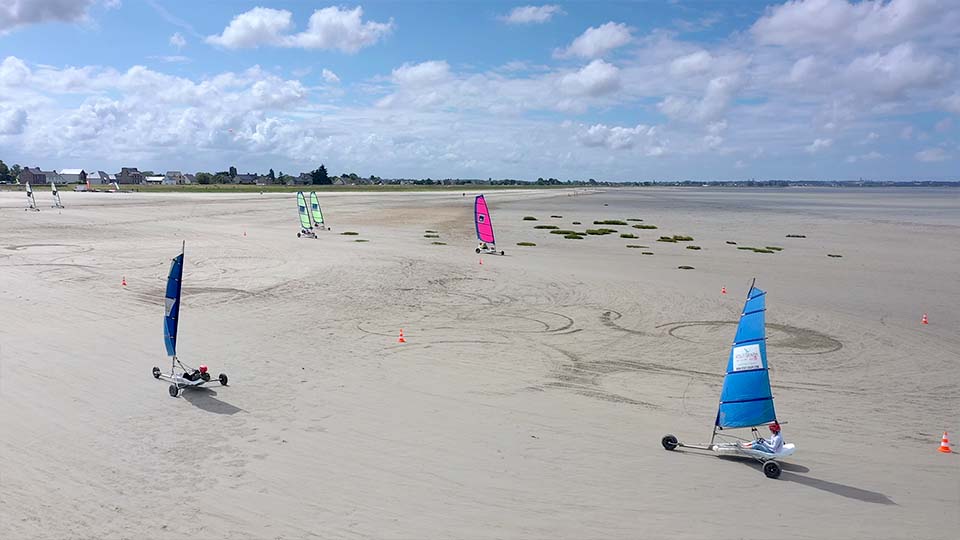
{"points": [[532, 393]]}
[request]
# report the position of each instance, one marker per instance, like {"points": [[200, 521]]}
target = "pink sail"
{"points": [[481, 216]]}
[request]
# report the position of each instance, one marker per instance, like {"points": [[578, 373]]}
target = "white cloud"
{"points": [[12, 120], [330, 76], [15, 13], [422, 74], [259, 26], [871, 137], [597, 42], [952, 103], [714, 104], [818, 145], [616, 137], [532, 14], [328, 28], [869, 156], [799, 23], [903, 68], [944, 125], [931, 155], [172, 59], [333, 28], [13, 71], [691, 64], [906, 133], [595, 79], [178, 41]]}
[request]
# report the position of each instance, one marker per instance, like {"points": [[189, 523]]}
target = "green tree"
{"points": [[15, 172], [204, 177], [271, 175], [4, 172], [319, 176]]}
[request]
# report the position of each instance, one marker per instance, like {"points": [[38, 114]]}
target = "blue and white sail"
{"points": [[746, 399], [171, 301]]}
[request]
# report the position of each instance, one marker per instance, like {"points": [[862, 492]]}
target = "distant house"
{"points": [[189, 179], [245, 178], [32, 175], [74, 176], [159, 180], [176, 176], [303, 179], [100, 178], [129, 175]]}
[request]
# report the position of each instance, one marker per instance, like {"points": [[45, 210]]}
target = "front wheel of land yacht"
{"points": [[669, 442], [298, 235], [156, 372], [501, 253], [174, 390], [223, 379], [478, 251], [772, 469]]}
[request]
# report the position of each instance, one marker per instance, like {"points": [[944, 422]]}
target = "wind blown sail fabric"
{"points": [[482, 218], [315, 208], [172, 305], [746, 399], [304, 215]]}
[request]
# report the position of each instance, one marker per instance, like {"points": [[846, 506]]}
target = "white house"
{"points": [[73, 176], [158, 180]]}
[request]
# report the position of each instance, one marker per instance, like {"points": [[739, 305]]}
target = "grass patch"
{"points": [[573, 237], [634, 219], [557, 217], [635, 246], [529, 218], [546, 227], [693, 247], [428, 231], [685, 267], [600, 232], [775, 248], [834, 255], [682, 238], [763, 250], [439, 243], [642, 226], [628, 235], [610, 222], [431, 236], [731, 242], [796, 236], [746, 248], [667, 239], [361, 240], [527, 244], [563, 231], [349, 233], [647, 253], [576, 223]]}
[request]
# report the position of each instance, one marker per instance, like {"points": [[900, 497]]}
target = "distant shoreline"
{"points": [[252, 188]]}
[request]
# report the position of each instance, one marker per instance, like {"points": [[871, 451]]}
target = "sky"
{"points": [[620, 91]]}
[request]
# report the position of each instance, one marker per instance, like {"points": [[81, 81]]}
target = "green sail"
{"points": [[315, 208], [304, 214]]}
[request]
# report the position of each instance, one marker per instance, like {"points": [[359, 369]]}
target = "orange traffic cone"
{"points": [[124, 282], [923, 320], [945, 444], [481, 261], [244, 234], [723, 290], [401, 338]]}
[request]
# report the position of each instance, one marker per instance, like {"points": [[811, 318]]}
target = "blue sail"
{"points": [[746, 399], [172, 305]]}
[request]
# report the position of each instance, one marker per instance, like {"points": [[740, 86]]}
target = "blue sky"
{"points": [[806, 89]]}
